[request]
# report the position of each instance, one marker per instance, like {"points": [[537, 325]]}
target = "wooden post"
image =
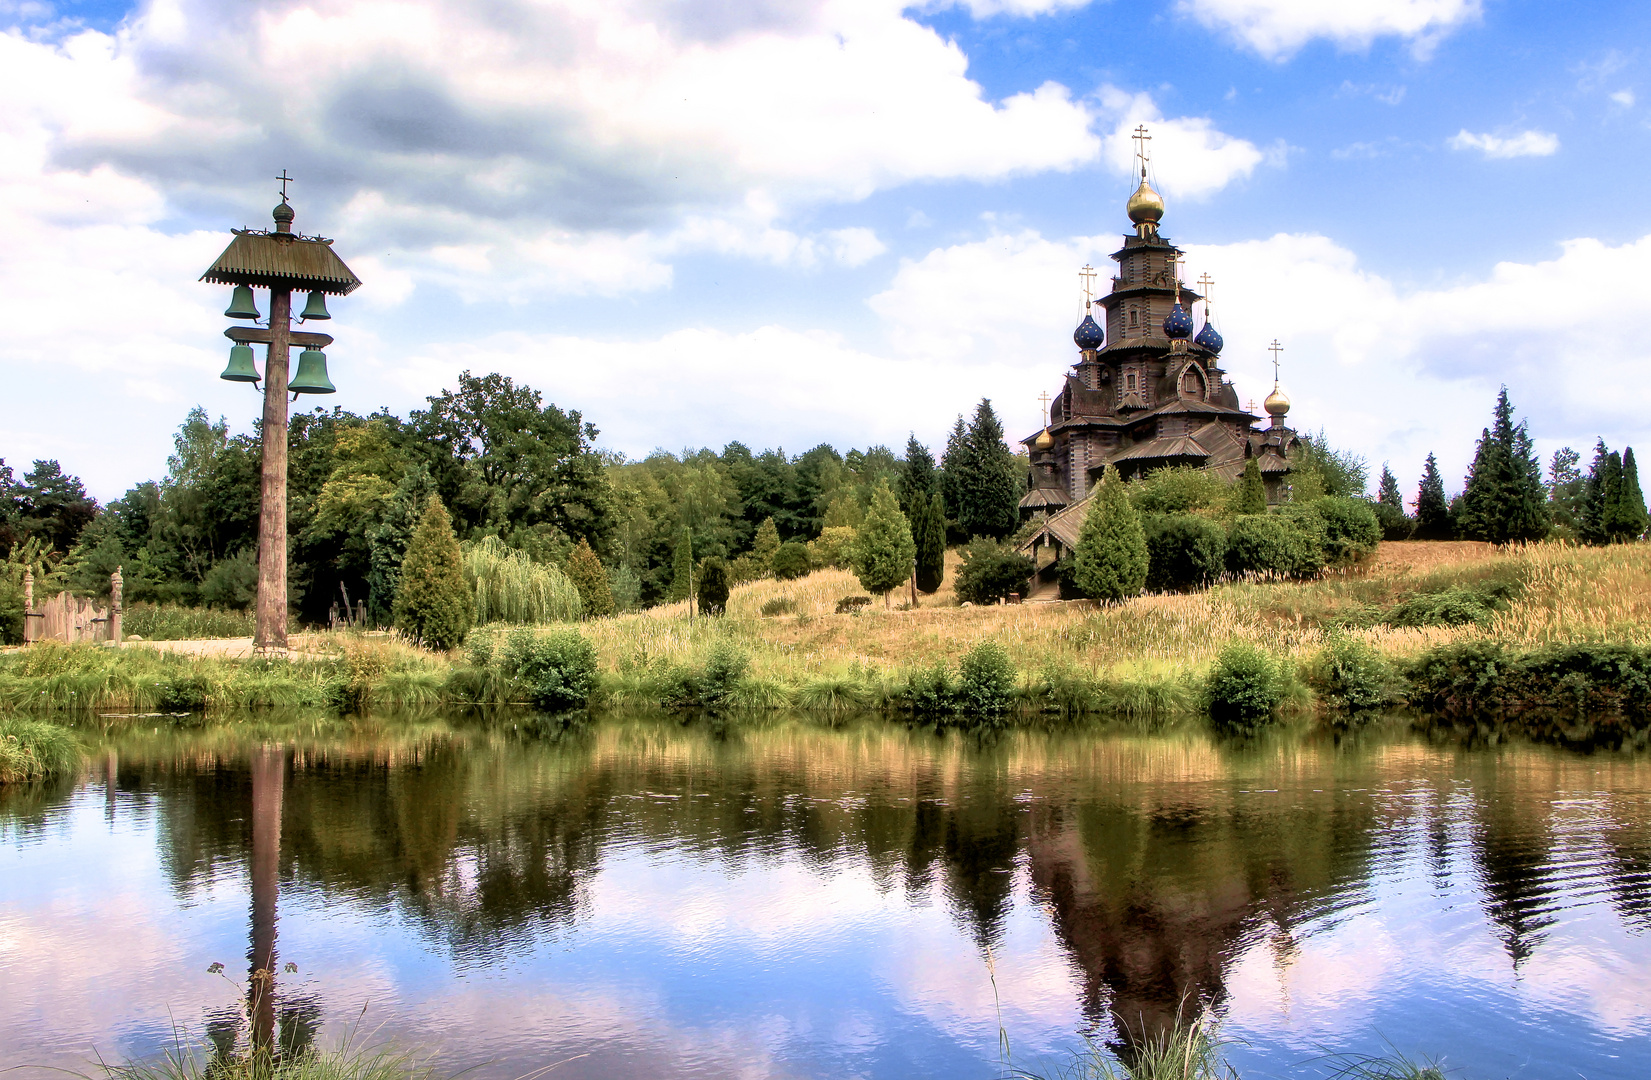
{"points": [[270, 632], [116, 588], [268, 779], [28, 607]]}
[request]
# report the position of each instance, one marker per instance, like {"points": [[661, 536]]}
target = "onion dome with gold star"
{"points": [[1178, 324], [1089, 334], [1209, 338]]}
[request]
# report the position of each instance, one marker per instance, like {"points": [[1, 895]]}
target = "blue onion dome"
{"points": [[1209, 338], [1178, 324], [1089, 334]]}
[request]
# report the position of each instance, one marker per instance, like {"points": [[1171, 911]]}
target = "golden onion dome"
{"points": [[1277, 404], [1044, 441], [1146, 205]]}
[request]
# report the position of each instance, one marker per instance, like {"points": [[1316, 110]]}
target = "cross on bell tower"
{"points": [[1142, 154], [1275, 348]]}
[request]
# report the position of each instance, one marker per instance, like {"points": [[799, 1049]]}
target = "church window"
{"points": [[1130, 383], [1132, 314]]}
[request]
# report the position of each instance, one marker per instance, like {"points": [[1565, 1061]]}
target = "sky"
{"points": [[840, 221]]}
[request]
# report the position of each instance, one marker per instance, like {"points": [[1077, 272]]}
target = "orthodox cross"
{"points": [[1087, 276], [285, 180], [1204, 282], [1275, 348], [1141, 139], [1044, 398], [1174, 276]]}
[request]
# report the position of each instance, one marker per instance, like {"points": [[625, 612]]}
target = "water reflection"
{"points": [[1159, 865]]}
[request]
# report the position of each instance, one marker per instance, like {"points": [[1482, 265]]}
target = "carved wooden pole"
{"points": [[28, 606], [268, 779], [116, 590], [270, 633]]}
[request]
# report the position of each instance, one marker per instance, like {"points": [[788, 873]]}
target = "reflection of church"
{"points": [[1146, 391]]}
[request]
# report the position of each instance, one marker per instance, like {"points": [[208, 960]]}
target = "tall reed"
{"points": [[512, 588]]}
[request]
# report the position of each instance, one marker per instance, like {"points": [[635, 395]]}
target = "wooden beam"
{"points": [[257, 335], [270, 625]]}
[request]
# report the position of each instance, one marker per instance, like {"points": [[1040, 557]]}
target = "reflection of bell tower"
{"points": [[268, 779]]}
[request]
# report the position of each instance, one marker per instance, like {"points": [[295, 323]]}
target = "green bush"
{"points": [[1351, 530], [173, 622], [779, 605], [713, 686], [35, 750], [791, 561], [1351, 676], [585, 571], [11, 613], [1184, 552], [1110, 562], [1271, 545], [232, 582], [181, 693], [990, 572], [929, 691], [1395, 523], [986, 681], [1244, 687], [1179, 490], [1593, 691], [558, 670], [853, 605], [1452, 607], [433, 601]]}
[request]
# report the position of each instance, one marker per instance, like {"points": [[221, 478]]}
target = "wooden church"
{"points": [[1147, 390]]}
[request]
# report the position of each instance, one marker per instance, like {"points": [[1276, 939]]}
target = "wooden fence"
{"points": [[70, 618]]}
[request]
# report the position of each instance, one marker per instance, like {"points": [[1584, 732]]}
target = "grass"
{"points": [[345, 1062], [174, 622], [1146, 659], [35, 750]]}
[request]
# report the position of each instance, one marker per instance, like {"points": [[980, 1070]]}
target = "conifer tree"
{"points": [[1504, 499], [1250, 497], [433, 601], [1111, 559], [713, 586], [1591, 516], [930, 538], [766, 543], [884, 553], [1432, 509], [954, 463], [1388, 492], [1632, 500], [682, 568], [1395, 523], [585, 570], [990, 484], [1565, 487], [917, 477]]}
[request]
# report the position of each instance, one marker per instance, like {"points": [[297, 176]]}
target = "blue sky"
{"points": [[836, 221]]}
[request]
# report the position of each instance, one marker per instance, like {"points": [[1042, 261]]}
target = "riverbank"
{"points": [[1443, 610]]}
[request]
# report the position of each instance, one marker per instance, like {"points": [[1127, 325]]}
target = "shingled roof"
{"points": [[282, 260]]}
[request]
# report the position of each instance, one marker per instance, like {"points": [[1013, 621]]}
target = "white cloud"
{"points": [[1190, 156], [1278, 28], [985, 9], [1524, 144], [1625, 98]]}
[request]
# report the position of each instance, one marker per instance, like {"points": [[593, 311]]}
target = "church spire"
{"points": [[1146, 206]]}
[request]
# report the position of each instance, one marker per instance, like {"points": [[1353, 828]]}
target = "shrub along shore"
{"points": [[1554, 636]]}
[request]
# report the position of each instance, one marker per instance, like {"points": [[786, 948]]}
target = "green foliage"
{"points": [[1351, 531], [713, 586], [716, 684], [1182, 490], [766, 545], [557, 670], [1629, 520], [984, 479], [1273, 545], [1389, 508], [1433, 517], [844, 512], [509, 587], [1612, 506], [918, 480], [990, 572], [433, 603], [1250, 496], [1244, 688], [1450, 607], [11, 612], [833, 548], [625, 587], [388, 538], [1350, 676], [779, 605], [1184, 552], [884, 554], [929, 534], [173, 622], [35, 750], [791, 561], [585, 570], [1575, 692], [1318, 469], [1504, 499], [1565, 488], [929, 691], [986, 681], [682, 568], [232, 583], [1111, 557]]}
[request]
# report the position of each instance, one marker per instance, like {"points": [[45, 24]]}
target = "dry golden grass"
{"points": [[1572, 594]]}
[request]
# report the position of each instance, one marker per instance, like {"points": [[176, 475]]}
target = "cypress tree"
{"points": [[1250, 497], [990, 487], [1396, 525], [585, 571], [1591, 516], [917, 477], [1631, 500], [1432, 509], [930, 538], [682, 568], [1504, 499], [766, 543], [1388, 493], [713, 586], [954, 463], [1111, 560], [433, 601], [884, 553]]}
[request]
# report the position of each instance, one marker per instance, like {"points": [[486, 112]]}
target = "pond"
{"points": [[646, 896]]}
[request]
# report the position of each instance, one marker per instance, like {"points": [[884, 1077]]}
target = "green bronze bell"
{"points": [[241, 305], [240, 367], [312, 374], [316, 308]]}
